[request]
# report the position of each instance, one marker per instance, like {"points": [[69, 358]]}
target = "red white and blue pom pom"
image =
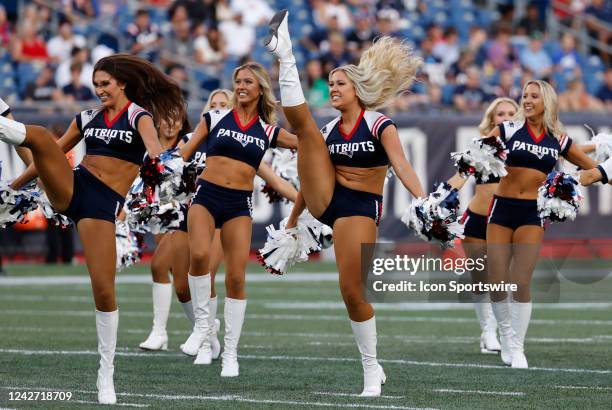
{"points": [[434, 218], [559, 197], [15, 204], [50, 213], [146, 213], [129, 246], [163, 176], [485, 158]]}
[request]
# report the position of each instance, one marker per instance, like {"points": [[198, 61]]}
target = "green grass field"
{"points": [[296, 350]]}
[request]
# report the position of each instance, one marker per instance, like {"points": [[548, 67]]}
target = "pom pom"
{"points": [[603, 145], [146, 213], [129, 246], [163, 177], [485, 158], [271, 193], [15, 204], [435, 218], [281, 250], [559, 197], [284, 164], [51, 214]]}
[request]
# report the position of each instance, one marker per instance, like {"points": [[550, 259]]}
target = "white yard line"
{"points": [[584, 388], [116, 404], [328, 393], [492, 393], [30, 352]]}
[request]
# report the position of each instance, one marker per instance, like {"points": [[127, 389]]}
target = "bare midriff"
{"points": [[116, 173], [229, 173], [521, 183], [362, 179]]}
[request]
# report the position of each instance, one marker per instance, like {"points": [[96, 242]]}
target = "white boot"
{"points": [[188, 309], [199, 286], [162, 299], [502, 315], [488, 324], [279, 43], [106, 327], [373, 374], [214, 325], [12, 132], [521, 315], [233, 313]]}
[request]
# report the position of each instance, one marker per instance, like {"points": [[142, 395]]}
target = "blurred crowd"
{"points": [[473, 50]]}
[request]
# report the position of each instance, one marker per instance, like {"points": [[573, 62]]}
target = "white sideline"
{"points": [[90, 313], [116, 404], [493, 393], [584, 387], [29, 352], [328, 393], [240, 399]]}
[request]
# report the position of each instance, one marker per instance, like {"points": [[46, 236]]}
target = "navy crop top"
{"points": [[530, 151], [4, 108], [116, 138], [361, 147], [227, 137], [200, 153]]}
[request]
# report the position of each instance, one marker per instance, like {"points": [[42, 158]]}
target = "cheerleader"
{"points": [[475, 226], [172, 253], [236, 142], [342, 167], [536, 139], [117, 134]]}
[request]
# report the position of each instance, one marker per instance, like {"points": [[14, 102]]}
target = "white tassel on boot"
{"points": [[106, 328], [188, 309], [373, 374], [502, 315], [233, 314], [199, 286], [521, 315], [12, 132], [279, 43], [488, 324], [162, 299], [214, 324]]}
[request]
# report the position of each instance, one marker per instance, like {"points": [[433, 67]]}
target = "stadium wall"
{"points": [[427, 140]]}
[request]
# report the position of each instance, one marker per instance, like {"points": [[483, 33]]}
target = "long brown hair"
{"points": [[146, 86]]}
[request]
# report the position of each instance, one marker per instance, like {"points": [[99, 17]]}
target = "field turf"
{"points": [[296, 350]]}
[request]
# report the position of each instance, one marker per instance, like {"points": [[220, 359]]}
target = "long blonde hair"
{"points": [[488, 121], [227, 93], [266, 106], [551, 108], [385, 70]]}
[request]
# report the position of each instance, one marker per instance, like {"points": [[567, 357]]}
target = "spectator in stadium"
{"points": [[43, 88], [567, 60], [598, 20], [532, 22], [344, 191], [317, 41], [178, 73], [80, 12], [223, 200], [506, 86], [577, 99], [448, 49], [535, 58], [202, 11], [178, 46], [337, 55], [210, 48], [60, 46], [144, 37], [63, 75], [476, 44], [132, 92], [76, 91], [500, 52], [459, 68], [6, 31], [239, 37], [259, 12], [362, 35], [515, 229], [470, 96], [29, 47], [317, 92], [386, 22], [605, 92]]}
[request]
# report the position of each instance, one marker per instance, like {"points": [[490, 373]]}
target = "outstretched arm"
{"points": [[199, 135], [147, 131], [70, 138], [401, 166], [286, 139]]}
